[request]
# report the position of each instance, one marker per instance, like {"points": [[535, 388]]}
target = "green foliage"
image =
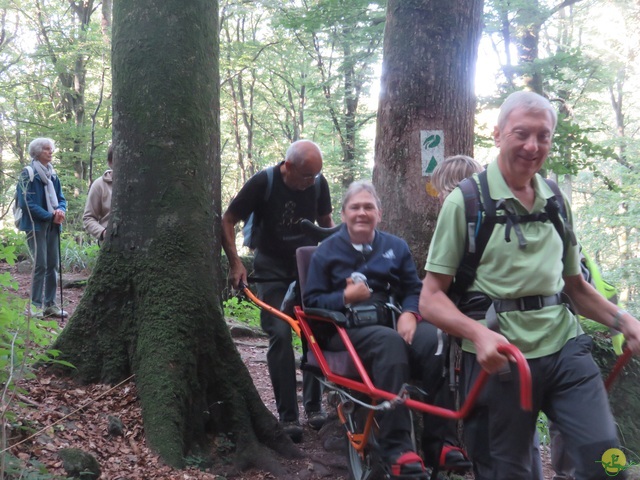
{"points": [[16, 469], [55, 82], [542, 424], [577, 148], [589, 72], [15, 243], [78, 257], [201, 463], [24, 342], [292, 71], [247, 312], [243, 311]]}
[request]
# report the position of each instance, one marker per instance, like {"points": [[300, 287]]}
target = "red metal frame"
{"points": [[365, 385], [300, 326], [617, 368]]}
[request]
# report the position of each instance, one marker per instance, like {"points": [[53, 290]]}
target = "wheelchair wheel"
{"points": [[365, 466]]}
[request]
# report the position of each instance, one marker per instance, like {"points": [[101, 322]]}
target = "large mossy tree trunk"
{"points": [[152, 306], [427, 83]]}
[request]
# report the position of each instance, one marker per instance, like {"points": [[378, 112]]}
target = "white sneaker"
{"points": [[34, 310], [55, 311]]}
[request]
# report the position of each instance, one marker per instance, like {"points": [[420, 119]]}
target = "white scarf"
{"points": [[45, 173]]}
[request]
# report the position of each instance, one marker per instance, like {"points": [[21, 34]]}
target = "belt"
{"points": [[523, 304]]}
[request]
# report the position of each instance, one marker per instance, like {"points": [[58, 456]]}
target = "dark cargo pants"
{"points": [[280, 356], [568, 387]]}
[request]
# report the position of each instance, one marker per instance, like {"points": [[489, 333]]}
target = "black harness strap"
{"points": [[474, 209], [481, 214], [555, 209]]}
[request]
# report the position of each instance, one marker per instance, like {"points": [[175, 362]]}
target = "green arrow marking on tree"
{"points": [[432, 150], [432, 141], [432, 165]]}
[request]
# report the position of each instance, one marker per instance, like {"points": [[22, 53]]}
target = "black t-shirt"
{"points": [[277, 221]]}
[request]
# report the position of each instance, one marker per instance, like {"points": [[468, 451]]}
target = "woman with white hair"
{"points": [[360, 267], [44, 208]]}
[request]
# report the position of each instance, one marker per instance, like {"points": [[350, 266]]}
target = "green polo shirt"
{"points": [[507, 271]]}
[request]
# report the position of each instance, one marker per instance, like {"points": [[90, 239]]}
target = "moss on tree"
{"points": [[153, 304]]}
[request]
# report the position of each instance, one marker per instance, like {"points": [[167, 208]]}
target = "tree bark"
{"points": [[152, 306], [427, 83]]}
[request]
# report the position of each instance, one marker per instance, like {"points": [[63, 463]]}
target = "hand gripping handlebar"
{"points": [[514, 355]]}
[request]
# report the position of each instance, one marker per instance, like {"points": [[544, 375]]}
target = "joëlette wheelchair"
{"points": [[349, 386]]}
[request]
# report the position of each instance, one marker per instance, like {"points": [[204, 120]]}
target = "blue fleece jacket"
{"points": [[36, 201], [389, 264]]}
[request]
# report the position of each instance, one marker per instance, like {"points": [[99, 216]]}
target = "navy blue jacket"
{"points": [[389, 263], [36, 201]]}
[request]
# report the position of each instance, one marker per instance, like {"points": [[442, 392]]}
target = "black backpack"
{"points": [[249, 231], [482, 213]]}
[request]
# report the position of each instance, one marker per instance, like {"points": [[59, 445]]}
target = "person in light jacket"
{"points": [[97, 209]]}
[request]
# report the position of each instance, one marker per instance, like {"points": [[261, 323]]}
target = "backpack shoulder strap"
{"points": [[267, 192], [30, 173], [489, 204], [480, 211], [557, 213], [489, 220], [473, 210], [317, 185], [557, 195], [477, 235], [22, 187]]}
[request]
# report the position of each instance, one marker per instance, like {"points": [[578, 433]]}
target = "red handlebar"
{"points": [[523, 372], [273, 311], [516, 356], [617, 368]]}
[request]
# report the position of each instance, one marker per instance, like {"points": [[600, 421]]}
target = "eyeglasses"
{"points": [[307, 177]]}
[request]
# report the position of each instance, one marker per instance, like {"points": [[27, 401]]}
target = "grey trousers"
{"points": [[280, 356], [568, 387], [43, 245]]}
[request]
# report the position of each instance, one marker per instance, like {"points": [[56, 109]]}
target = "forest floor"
{"points": [[56, 413]]}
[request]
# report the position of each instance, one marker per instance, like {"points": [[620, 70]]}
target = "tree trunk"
{"points": [[152, 306], [430, 51]]}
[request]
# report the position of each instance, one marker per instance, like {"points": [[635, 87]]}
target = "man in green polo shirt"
{"points": [[522, 274]]}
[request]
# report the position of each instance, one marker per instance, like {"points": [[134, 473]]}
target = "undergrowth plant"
{"points": [[24, 341], [246, 312], [18, 241], [76, 256], [242, 310], [76, 253]]}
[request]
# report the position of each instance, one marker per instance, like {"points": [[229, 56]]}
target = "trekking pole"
{"points": [[60, 266]]}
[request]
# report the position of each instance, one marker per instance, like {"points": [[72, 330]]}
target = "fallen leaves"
{"points": [[46, 421]]}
